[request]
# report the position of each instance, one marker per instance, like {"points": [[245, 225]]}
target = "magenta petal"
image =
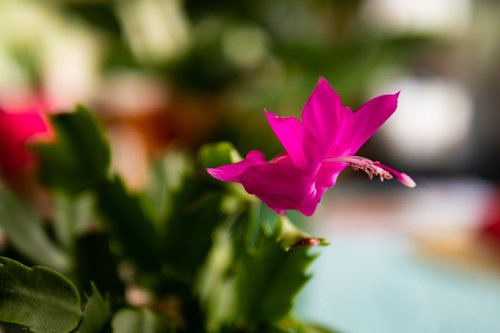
{"points": [[17, 130], [327, 176], [324, 116], [368, 119], [290, 132], [231, 172], [403, 178], [317, 150], [281, 186], [22, 125]]}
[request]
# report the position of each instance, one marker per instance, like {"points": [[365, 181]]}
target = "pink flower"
{"points": [[317, 150], [21, 123]]}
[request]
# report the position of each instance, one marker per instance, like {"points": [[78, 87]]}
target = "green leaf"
{"points": [[141, 320], [96, 262], [79, 159], [39, 298], [129, 225], [97, 313], [196, 213], [80, 156], [292, 325], [260, 217], [314, 328], [269, 281], [165, 177], [241, 250], [290, 236], [196, 210], [216, 154], [215, 286], [289, 325], [72, 216], [24, 227]]}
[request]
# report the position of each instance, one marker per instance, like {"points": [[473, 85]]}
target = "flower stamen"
{"points": [[371, 168], [374, 169]]}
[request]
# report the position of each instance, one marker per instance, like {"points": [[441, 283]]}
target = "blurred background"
{"points": [[170, 74]]}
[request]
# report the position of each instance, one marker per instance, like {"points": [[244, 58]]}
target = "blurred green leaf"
{"points": [[232, 273], [290, 236], [97, 314], [196, 212], [214, 285], [141, 320], [260, 217], [94, 261], [313, 328], [165, 177], [128, 224], [216, 154], [24, 227], [98, 13], [269, 281], [78, 160], [80, 156], [292, 325], [204, 69], [72, 215], [38, 298], [212, 155], [286, 327]]}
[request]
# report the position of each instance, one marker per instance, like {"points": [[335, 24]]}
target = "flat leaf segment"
{"points": [[38, 298]]}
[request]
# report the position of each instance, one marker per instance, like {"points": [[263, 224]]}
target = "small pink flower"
{"points": [[317, 150], [21, 123]]}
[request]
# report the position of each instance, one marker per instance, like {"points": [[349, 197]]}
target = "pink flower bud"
{"points": [[21, 124]]}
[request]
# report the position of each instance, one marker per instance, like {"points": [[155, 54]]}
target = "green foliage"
{"points": [[291, 237], [128, 224], [197, 206], [165, 178], [229, 261], [213, 155], [286, 326], [25, 229], [188, 237], [312, 328], [256, 284], [216, 286], [141, 320], [97, 314], [72, 216], [95, 262], [38, 298], [269, 281], [79, 158], [212, 258]]}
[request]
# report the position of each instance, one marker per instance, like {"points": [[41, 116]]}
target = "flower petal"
{"points": [[17, 129], [290, 132], [324, 116], [281, 186], [402, 177], [231, 172], [327, 176], [368, 119]]}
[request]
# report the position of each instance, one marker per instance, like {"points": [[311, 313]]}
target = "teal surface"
{"points": [[377, 283]]}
